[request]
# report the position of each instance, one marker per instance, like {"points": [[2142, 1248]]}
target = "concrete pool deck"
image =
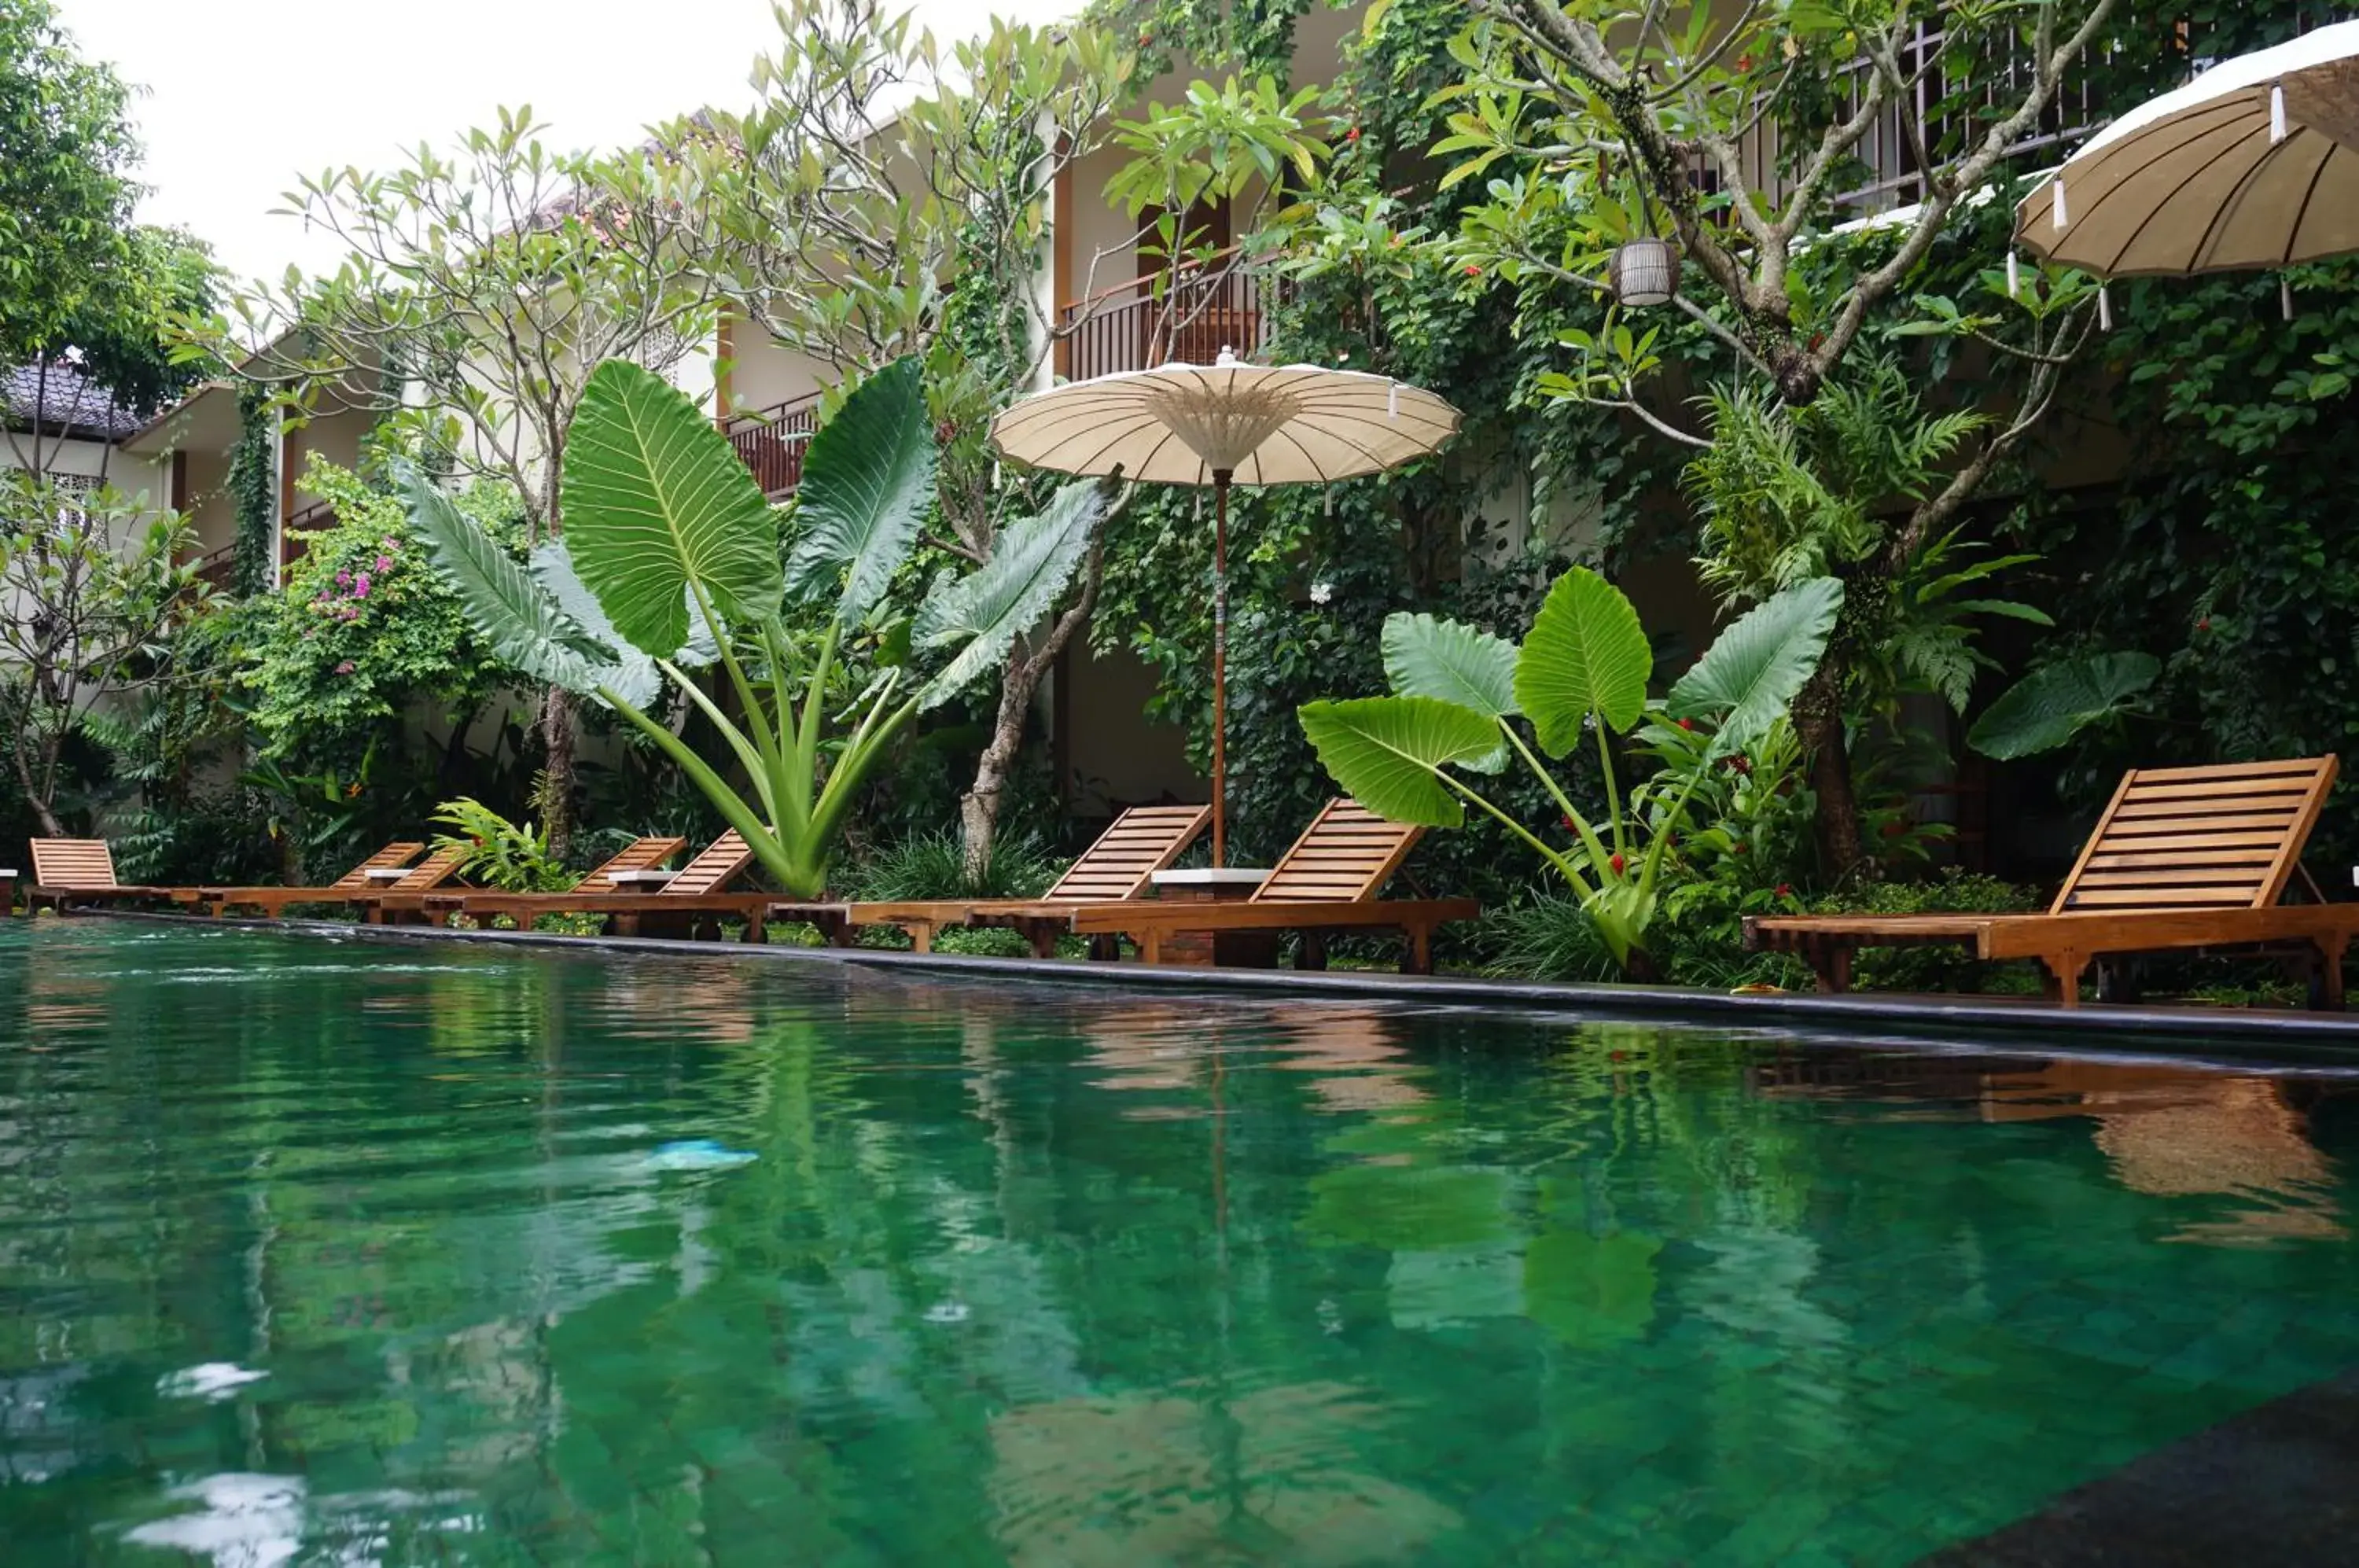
{"points": [[2281, 1035]]}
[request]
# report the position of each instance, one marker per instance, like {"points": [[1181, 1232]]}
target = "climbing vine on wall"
{"points": [[253, 492]]}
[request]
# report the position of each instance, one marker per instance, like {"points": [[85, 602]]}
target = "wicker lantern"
{"points": [[1645, 272]]}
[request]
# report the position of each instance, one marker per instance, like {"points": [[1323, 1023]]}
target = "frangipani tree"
{"points": [[1463, 698], [672, 563]]}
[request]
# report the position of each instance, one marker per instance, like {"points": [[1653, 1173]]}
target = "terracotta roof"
{"points": [[64, 401]]}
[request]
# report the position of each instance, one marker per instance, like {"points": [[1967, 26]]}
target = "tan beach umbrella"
{"points": [[1223, 424], [2254, 164]]}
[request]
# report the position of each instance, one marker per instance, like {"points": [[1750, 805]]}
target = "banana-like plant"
{"points": [[1458, 693], [672, 563]]}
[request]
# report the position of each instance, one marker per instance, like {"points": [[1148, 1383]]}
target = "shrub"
{"points": [[933, 865], [1942, 968]]}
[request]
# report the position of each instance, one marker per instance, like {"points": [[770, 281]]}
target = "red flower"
{"points": [[1616, 862], [1687, 723], [1352, 135], [1736, 848], [1785, 890], [1743, 62], [2205, 625], [1567, 821], [1472, 270]]}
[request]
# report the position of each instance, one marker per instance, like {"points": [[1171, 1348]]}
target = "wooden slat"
{"points": [[2179, 816], [1375, 849], [722, 859], [2303, 765], [433, 871], [2164, 844], [2248, 819], [2164, 875], [641, 855], [2109, 862], [385, 859], [73, 863], [1139, 843], [2161, 897], [2260, 790]]}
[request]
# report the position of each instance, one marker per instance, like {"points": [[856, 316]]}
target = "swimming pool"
{"points": [[350, 1252]]}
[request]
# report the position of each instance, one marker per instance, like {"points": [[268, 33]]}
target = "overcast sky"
{"points": [[240, 95]]}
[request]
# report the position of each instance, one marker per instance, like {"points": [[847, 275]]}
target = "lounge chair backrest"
{"points": [[433, 871], [1143, 840], [385, 859], [80, 863], [643, 854], [2199, 838], [711, 871], [1346, 854]]}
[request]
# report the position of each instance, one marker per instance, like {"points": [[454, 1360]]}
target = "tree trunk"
{"points": [[979, 809], [1819, 724], [556, 710]]}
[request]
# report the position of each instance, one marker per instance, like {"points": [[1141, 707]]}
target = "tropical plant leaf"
{"points": [[527, 628], [1753, 670], [657, 501], [630, 674], [867, 479], [1586, 654], [1453, 661], [1033, 562], [2049, 706], [1387, 753]]}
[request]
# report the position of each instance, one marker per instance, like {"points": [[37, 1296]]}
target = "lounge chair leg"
{"points": [[1830, 965], [1150, 945], [2327, 995], [1420, 951], [623, 924], [755, 932], [1043, 938], [2061, 977], [1312, 953], [1106, 947], [922, 936]]}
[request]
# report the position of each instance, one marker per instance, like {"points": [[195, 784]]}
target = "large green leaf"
{"points": [[1385, 752], [527, 628], [632, 675], [1030, 566], [1753, 670], [866, 481], [1586, 654], [656, 500], [2049, 706], [1453, 661]]}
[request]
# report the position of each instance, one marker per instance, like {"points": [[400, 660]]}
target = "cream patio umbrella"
{"points": [[1223, 424], [2253, 164]]}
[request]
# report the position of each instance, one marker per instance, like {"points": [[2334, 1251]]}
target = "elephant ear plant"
{"points": [[1463, 698], [671, 562]]}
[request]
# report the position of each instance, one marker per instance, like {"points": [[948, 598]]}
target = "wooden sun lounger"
{"points": [[1141, 842], [691, 902], [2183, 858], [81, 870], [1327, 882], [273, 901], [640, 854]]}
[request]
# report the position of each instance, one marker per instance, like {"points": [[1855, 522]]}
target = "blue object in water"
{"points": [[697, 1154]]}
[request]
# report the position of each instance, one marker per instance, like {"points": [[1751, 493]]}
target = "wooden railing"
{"points": [[217, 568], [770, 442], [312, 518], [1208, 306]]}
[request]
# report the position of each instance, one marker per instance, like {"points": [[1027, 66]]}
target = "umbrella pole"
{"points": [[1219, 667]]}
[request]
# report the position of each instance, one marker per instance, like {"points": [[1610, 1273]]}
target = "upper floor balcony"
{"points": [[770, 441], [1188, 316]]}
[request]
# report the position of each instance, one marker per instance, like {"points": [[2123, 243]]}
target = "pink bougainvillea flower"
{"points": [[385, 563], [343, 578], [361, 586], [347, 668]]}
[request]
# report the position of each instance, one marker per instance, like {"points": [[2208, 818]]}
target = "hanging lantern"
{"points": [[1645, 272]]}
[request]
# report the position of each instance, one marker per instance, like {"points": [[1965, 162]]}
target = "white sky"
{"points": [[243, 94]]}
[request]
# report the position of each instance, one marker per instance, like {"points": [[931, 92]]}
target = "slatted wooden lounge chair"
{"points": [[1327, 882], [68, 871], [2183, 857], [273, 901], [639, 855], [1121, 865], [694, 902]]}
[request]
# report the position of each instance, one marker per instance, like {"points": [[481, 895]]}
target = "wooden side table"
{"points": [[1234, 950]]}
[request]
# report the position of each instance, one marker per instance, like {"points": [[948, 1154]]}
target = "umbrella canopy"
{"points": [[1223, 424], [1262, 424], [2254, 164]]}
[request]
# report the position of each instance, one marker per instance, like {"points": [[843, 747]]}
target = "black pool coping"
{"points": [[2243, 1034], [2274, 1488]]}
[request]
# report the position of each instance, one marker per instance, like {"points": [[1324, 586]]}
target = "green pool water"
{"points": [[349, 1253]]}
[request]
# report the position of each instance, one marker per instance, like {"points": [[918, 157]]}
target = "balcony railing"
{"points": [[314, 518], [1190, 317], [769, 442], [217, 568]]}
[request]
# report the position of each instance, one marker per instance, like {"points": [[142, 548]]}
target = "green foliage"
{"points": [[66, 190], [252, 492], [1581, 668], [935, 866], [364, 629], [2048, 707], [658, 518], [511, 857], [1928, 968]]}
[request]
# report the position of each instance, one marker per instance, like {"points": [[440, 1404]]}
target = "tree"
{"points": [[479, 293], [92, 592], [884, 198], [1591, 120]]}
